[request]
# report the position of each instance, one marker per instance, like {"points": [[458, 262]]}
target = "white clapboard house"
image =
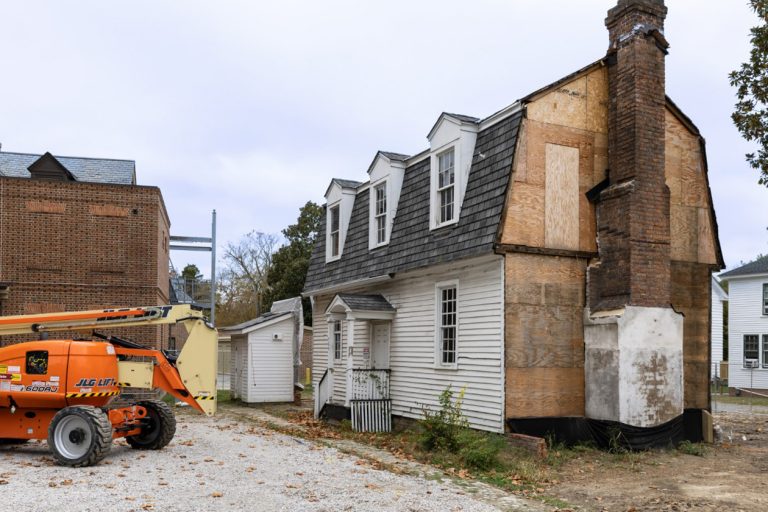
{"points": [[748, 325], [719, 298], [503, 261]]}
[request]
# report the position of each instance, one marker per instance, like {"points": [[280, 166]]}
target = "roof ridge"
{"points": [[65, 156]]}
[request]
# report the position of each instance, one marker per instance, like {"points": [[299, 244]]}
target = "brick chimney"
{"points": [[633, 212], [633, 338]]}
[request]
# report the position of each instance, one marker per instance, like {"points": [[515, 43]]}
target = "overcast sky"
{"points": [[251, 107]]}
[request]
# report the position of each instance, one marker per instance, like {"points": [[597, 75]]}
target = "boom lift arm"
{"points": [[192, 378]]}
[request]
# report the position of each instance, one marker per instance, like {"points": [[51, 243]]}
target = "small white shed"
{"points": [[265, 353]]}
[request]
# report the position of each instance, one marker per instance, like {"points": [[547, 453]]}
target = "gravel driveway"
{"points": [[221, 464]]}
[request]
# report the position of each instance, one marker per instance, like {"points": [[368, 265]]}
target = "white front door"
{"points": [[380, 346]]}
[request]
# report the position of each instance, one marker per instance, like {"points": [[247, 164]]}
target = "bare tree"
{"points": [[244, 278]]}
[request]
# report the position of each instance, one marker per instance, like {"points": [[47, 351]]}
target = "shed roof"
{"points": [[757, 267], [93, 170]]}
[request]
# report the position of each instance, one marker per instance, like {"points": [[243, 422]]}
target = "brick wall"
{"points": [[633, 220], [68, 246]]}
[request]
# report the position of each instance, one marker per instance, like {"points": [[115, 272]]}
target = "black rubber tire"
{"points": [[160, 428], [99, 430], [5, 441]]}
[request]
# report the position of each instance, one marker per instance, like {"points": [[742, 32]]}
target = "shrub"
{"points": [[440, 430], [479, 450]]}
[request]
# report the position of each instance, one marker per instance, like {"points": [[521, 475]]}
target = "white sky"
{"points": [[251, 107]]}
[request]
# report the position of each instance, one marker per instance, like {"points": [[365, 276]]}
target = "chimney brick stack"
{"points": [[633, 212]]}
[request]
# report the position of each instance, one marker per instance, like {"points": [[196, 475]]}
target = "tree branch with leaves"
{"points": [[751, 83]]}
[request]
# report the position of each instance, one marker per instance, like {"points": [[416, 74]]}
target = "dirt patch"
{"points": [[729, 476]]}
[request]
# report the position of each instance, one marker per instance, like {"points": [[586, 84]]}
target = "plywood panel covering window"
{"points": [[561, 197]]}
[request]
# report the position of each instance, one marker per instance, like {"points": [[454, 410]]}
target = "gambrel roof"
{"points": [[412, 244]]}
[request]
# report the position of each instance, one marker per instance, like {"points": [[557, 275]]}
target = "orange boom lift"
{"points": [[67, 391]]}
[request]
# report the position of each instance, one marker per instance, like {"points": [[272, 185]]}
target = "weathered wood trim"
{"points": [[508, 248]]}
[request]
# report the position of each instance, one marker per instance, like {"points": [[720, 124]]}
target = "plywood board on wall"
{"points": [[544, 392], [524, 222], [561, 229]]}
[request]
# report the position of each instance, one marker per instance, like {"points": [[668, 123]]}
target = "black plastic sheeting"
{"points": [[612, 434]]}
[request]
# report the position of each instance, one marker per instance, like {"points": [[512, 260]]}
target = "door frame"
{"points": [[374, 324]]}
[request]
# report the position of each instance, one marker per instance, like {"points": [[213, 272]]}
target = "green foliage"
{"points": [[751, 83], [479, 450], [689, 448], [191, 272], [290, 263], [440, 430]]}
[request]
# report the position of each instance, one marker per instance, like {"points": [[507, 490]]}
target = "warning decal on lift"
{"points": [[13, 377]]}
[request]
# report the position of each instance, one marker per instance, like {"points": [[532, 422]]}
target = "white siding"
{"points": [[271, 363], [415, 381], [240, 376], [745, 317], [717, 331]]}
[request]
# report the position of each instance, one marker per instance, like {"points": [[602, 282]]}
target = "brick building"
{"points": [[78, 233]]}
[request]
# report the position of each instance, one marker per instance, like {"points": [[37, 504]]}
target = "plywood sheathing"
{"points": [[561, 197], [693, 238], [574, 115], [691, 296], [544, 335]]}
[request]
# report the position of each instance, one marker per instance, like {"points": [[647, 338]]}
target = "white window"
{"points": [[447, 325], [751, 349], [337, 340], [333, 223], [380, 212], [765, 299], [446, 187], [765, 350]]}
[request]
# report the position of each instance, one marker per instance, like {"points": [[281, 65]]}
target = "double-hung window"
{"points": [[333, 222], [337, 340], [447, 328], [446, 187], [380, 213], [765, 350], [765, 299], [751, 349]]}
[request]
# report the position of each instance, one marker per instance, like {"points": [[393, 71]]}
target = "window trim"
{"points": [[337, 350], [764, 350], [765, 299], [375, 215], [330, 256], [435, 189], [438, 356], [744, 349], [438, 190]]}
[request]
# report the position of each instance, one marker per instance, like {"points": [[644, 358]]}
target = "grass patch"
{"points": [[742, 400], [689, 448]]}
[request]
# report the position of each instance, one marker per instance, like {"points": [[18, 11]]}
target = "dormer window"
{"points": [[380, 212], [452, 146], [446, 186], [334, 233]]}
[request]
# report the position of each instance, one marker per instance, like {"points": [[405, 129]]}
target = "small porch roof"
{"points": [[359, 306]]}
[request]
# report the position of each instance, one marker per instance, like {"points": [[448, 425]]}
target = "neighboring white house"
{"points": [[748, 325], [719, 298], [265, 354]]}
